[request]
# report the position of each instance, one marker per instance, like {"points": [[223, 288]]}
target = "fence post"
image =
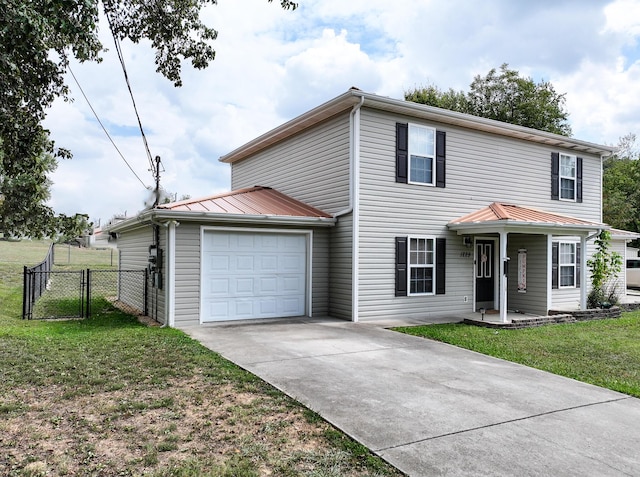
{"points": [[24, 292], [146, 292], [88, 278]]}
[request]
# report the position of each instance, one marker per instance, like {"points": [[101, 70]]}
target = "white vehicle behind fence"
{"points": [[633, 273]]}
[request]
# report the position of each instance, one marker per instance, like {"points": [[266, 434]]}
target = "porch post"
{"points": [[503, 277], [583, 273]]}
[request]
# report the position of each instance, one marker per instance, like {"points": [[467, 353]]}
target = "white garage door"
{"points": [[247, 275]]}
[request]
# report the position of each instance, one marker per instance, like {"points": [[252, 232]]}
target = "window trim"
{"points": [[562, 265], [431, 266], [433, 157], [573, 178]]}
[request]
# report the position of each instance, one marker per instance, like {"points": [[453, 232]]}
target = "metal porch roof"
{"points": [[256, 200], [499, 215]]}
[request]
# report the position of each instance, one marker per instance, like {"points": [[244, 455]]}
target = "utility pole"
{"points": [[157, 177]]}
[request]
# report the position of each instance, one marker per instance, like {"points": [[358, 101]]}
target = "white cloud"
{"points": [[272, 65]]}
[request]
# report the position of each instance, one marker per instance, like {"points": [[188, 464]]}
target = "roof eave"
{"points": [[407, 108], [513, 226], [158, 215]]}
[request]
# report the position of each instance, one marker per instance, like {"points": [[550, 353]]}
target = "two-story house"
{"points": [[369, 208]]}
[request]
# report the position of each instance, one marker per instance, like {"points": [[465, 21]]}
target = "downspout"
{"points": [[170, 299], [354, 138], [354, 193]]}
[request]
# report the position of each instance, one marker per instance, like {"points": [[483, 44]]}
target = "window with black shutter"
{"points": [[420, 155], [420, 266]]}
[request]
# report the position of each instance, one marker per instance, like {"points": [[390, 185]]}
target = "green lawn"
{"points": [[604, 352], [110, 396]]}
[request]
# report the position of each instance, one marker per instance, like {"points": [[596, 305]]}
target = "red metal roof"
{"points": [[256, 200], [514, 213]]}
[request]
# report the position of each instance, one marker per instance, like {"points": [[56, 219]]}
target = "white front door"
{"points": [[250, 275]]}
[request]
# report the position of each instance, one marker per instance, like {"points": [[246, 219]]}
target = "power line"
{"points": [[105, 129], [126, 78]]}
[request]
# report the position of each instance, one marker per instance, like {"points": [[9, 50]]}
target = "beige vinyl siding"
{"points": [[312, 167], [480, 169], [620, 281], [133, 251], [340, 269], [133, 248], [187, 275], [569, 298], [157, 296], [534, 300], [320, 273]]}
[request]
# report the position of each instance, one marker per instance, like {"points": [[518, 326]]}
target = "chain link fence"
{"points": [[83, 293], [124, 289], [74, 255]]}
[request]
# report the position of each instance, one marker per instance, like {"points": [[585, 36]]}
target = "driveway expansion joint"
{"points": [[495, 424], [321, 355]]}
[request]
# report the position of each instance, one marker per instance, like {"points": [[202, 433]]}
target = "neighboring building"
{"points": [[392, 210]]}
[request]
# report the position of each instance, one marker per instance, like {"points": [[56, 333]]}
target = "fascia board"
{"points": [[155, 216], [526, 228]]}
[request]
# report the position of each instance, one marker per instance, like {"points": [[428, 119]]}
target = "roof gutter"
{"points": [[157, 215], [496, 225]]}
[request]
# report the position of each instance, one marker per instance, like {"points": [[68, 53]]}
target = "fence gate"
{"points": [[82, 293], [49, 294]]}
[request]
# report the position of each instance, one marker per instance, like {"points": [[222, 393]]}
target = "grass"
{"points": [[110, 396], [604, 352]]}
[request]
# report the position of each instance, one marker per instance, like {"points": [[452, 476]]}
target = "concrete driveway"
{"points": [[432, 409]]}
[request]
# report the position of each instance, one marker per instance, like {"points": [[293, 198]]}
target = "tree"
{"points": [[621, 186], [604, 266], [37, 39], [503, 96]]}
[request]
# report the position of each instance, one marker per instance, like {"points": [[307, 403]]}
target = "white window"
{"points": [[422, 154], [421, 265], [567, 264], [567, 177]]}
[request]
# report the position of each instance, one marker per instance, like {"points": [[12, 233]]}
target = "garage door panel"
{"points": [[244, 263], [291, 305], [244, 286], [218, 286], [253, 275], [217, 262], [217, 309], [268, 285]]}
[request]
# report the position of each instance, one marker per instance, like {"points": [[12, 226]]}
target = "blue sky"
{"points": [[272, 65]]}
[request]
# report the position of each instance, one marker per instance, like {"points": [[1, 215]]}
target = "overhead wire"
{"points": [[104, 128], [135, 108]]}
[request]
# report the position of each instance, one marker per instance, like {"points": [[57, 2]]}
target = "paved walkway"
{"points": [[433, 409]]}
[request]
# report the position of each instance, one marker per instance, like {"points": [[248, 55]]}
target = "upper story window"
{"points": [[422, 154], [567, 177]]}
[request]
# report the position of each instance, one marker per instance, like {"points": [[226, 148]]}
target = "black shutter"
{"points": [[441, 139], [555, 176], [578, 179], [401, 266], [402, 150], [441, 254], [554, 265], [578, 265]]}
